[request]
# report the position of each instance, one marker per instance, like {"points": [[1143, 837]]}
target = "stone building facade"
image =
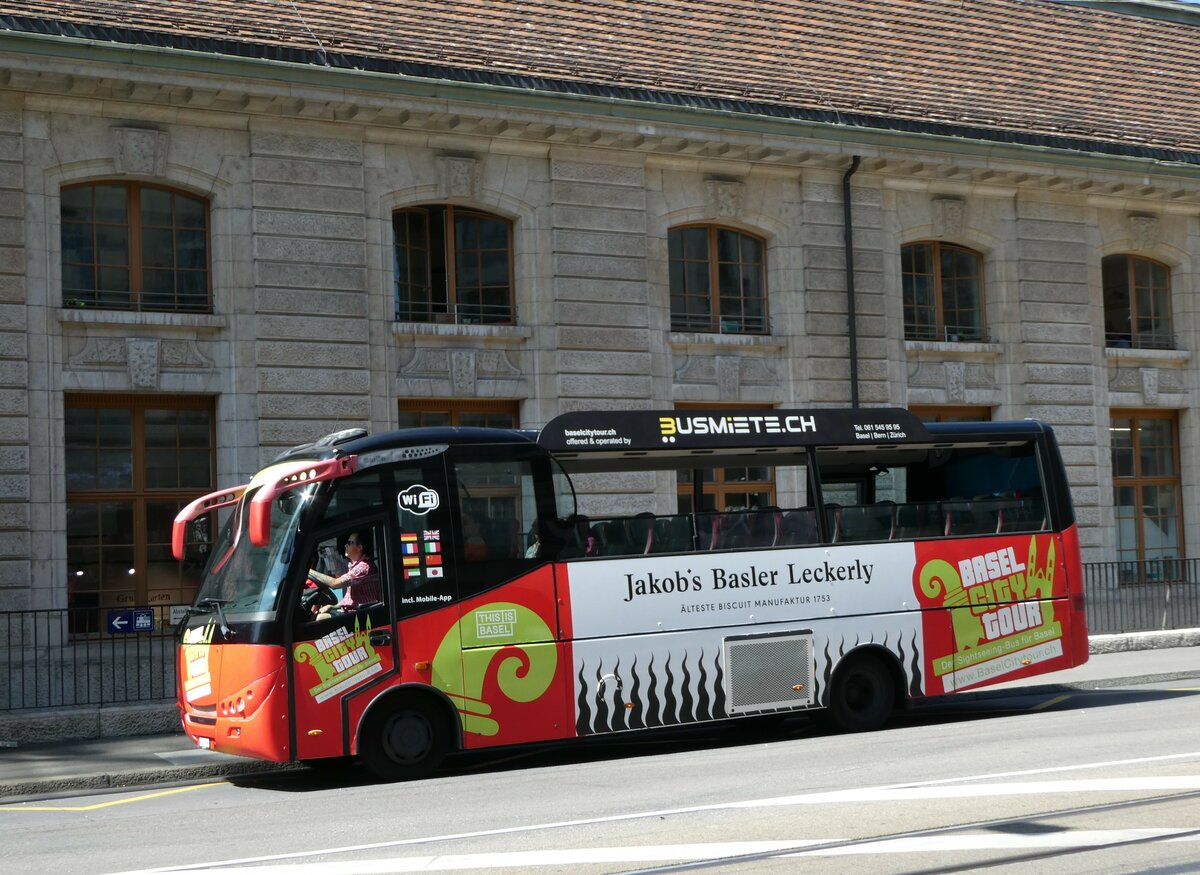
{"points": [[302, 173]]}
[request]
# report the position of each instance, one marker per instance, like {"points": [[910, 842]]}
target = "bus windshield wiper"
{"points": [[218, 606]]}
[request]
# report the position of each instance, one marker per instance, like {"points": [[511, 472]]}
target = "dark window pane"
{"points": [[493, 234], [115, 279], [77, 243], [190, 212], [495, 269], [195, 429], [112, 204], [191, 251], [161, 469], [115, 469], [76, 204], [156, 207], [159, 428], [158, 247], [115, 428], [112, 245], [78, 278], [695, 244]]}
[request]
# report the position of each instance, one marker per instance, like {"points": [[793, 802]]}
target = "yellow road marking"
{"points": [[109, 804], [1050, 702]]}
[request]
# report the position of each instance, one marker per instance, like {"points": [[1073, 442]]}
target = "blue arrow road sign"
{"points": [[136, 620]]}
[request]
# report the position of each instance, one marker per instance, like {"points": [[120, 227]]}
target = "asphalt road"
{"points": [[1032, 779]]}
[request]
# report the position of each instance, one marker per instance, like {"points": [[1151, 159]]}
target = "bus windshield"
{"points": [[245, 578]]}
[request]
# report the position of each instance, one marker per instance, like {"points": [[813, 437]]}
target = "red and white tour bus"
{"points": [[476, 606]]}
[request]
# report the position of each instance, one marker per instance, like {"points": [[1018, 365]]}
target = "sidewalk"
{"points": [[135, 761]]}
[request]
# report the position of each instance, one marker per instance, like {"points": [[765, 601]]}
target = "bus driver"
{"points": [[361, 580]]}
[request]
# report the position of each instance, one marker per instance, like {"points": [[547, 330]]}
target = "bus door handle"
{"points": [[380, 638]]}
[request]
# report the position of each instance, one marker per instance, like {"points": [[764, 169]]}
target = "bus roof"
{"points": [[589, 441]]}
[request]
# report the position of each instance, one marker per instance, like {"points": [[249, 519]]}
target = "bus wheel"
{"points": [[403, 741], [863, 695]]}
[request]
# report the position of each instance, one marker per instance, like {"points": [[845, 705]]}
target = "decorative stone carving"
{"points": [[458, 177], [143, 362], [493, 364], [723, 197], [92, 352], [427, 363], [697, 370], [729, 377], [462, 371], [1149, 386], [949, 216], [140, 150], [956, 382], [728, 374], [181, 354], [1143, 231]]}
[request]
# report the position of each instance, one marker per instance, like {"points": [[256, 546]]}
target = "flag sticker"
{"points": [[431, 535], [435, 572]]}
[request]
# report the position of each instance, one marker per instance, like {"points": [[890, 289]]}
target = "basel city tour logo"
{"points": [[343, 659]]}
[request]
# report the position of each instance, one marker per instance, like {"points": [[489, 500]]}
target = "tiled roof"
{"points": [[1025, 67]]}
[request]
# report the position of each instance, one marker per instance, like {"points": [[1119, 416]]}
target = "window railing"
{"points": [[720, 325], [946, 333], [1141, 340], [456, 314], [108, 300]]}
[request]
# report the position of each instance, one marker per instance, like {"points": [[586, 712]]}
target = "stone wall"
{"points": [[303, 181]]}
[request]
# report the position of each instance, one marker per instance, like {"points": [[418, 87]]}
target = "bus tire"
{"points": [[863, 694], [403, 740]]}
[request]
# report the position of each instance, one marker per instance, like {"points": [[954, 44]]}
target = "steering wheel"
{"points": [[316, 596]]}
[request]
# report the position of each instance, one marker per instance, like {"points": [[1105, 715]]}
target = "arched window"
{"points": [[133, 246], [718, 280], [1137, 303], [454, 265], [943, 292]]}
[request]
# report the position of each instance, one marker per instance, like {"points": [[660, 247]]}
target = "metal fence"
{"points": [[1147, 596], [63, 658]]}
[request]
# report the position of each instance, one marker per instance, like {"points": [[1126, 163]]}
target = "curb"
{"points": [[1122, 643], [21, 791]]}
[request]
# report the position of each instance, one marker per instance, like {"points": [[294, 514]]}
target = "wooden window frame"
{"points": [[451, 310], [718, 486], [1133, 337], [455, 408], [1138, 480], [138, 495], [951, 412], [100, 298], [941, 330], [718, 323]]}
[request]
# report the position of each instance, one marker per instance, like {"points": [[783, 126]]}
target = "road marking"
{"points": [[1051, 702], [941, 789], [523, 860], [112, 802]]}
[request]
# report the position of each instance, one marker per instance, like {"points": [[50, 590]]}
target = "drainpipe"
{"points": [[848, 236]]}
